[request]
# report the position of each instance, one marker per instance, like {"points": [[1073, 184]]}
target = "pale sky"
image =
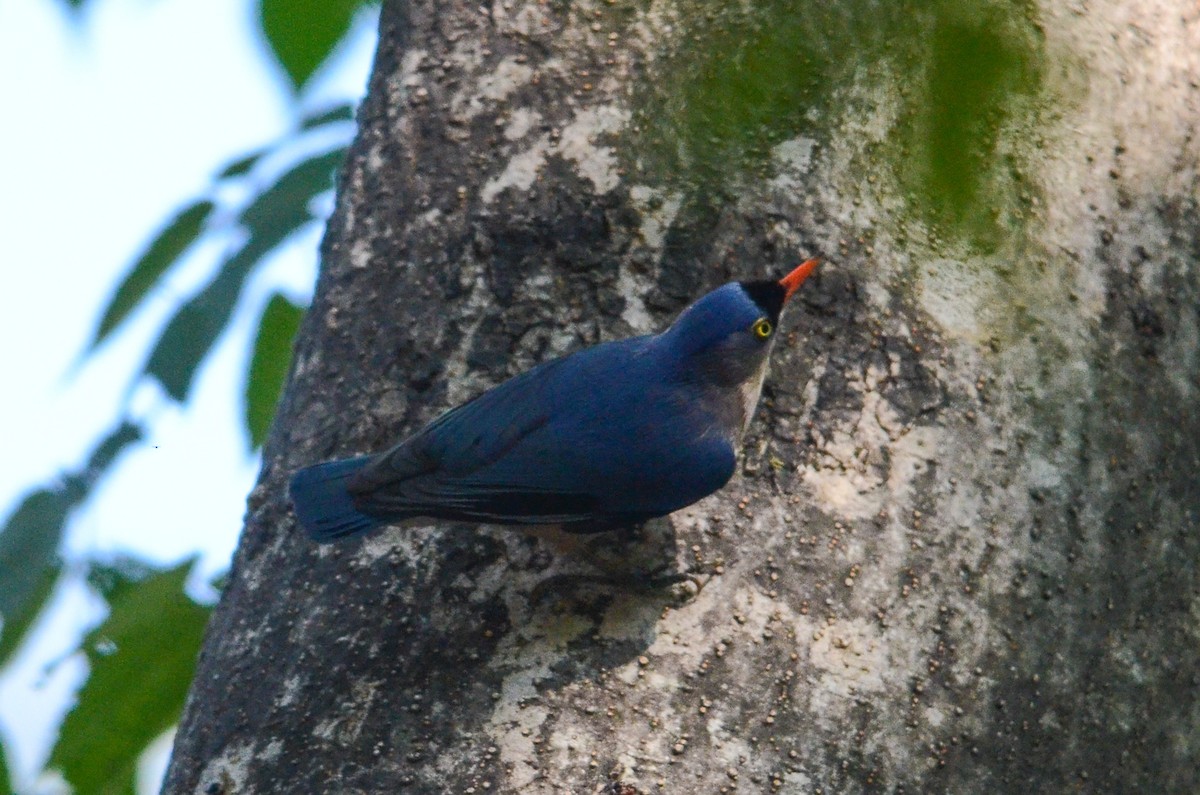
{"points": [[110, 126]]}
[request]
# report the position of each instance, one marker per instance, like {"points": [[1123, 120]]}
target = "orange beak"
{"points": [[791, 283]]}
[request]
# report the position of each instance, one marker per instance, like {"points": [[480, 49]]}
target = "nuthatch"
{"points": [[607, 437]]}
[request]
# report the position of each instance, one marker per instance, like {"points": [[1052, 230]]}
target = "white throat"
{"points": [[751, 391]]}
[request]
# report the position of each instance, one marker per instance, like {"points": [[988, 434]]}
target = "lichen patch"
{"points": [[658, 209], [493, 88], [520, 171], [958, 296], [594, 162], [520, 122], [851, 655], [229, 771], [576, 142], [792, 160], [633, 287]]}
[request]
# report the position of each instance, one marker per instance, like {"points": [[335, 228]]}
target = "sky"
{"points": [[112, 123]]}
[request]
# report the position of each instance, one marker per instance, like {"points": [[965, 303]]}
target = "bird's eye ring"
{"points": [[761, 328]]}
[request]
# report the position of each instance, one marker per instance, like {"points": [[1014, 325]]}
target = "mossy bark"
{"points": [[960, 551]]}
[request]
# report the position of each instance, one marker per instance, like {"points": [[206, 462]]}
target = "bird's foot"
{"points": [[681, 586], [638, 558]]}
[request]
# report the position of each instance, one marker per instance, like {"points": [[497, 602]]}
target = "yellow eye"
{"points": [[761, 328]]}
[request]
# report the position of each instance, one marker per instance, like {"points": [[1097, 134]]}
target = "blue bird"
{"points": [[607, 437]]}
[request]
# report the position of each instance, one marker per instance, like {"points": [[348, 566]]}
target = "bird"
{"points": [[608, 437]]}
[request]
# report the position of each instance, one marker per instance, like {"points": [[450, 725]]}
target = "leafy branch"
{"points": [[141, 657]]}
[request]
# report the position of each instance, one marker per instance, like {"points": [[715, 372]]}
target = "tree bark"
{"points": [[960, 551]]}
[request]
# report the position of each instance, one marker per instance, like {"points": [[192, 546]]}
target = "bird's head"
{"points": [[727, 336]]}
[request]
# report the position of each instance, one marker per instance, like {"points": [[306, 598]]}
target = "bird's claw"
{"points": [[683, 585]]}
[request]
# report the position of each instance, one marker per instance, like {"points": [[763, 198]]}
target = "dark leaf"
{"points": [[220, 582], [111, 578], [30, 539], [141, 661], [18, 621], [269, 365], [29, 544], [241, 166], [107, 451], [6, 787], [275, 214], [329, 116], [171, 242], [283, 207], [302, 33], [196, 326]]}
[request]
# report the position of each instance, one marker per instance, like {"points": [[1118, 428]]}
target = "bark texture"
{"points": [[960, 552]]}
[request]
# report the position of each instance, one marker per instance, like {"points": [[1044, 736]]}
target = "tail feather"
{"points": [[325, 509]]}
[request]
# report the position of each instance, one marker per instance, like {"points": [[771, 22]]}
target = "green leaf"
{"points": [[112, 578], [6, 787], [107, 451], [21, 617], [241, 166], [283, 207], [269, 365], [194, 329], [275, 214], [162, 253], [220, 581], [31, 536], [302, 33], [329, 116], [29, 544], [141, 662]]}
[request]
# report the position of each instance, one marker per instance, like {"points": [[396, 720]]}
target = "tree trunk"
{"points": [[960, 551]]}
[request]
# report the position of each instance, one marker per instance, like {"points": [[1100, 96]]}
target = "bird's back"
{"points": [[602, 437]]}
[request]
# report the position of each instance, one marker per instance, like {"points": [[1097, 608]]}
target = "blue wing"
{"points": [[596, 438]]}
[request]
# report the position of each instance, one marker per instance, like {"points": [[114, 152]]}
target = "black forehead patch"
{"points": [[768, 295]]}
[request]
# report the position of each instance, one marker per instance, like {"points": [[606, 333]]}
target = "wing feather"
{"points": [[594, 437]]}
